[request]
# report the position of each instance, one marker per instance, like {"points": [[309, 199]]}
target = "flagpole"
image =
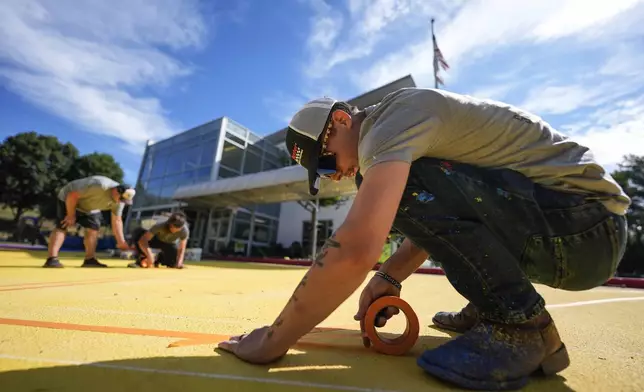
{"points": [[435, 59]]}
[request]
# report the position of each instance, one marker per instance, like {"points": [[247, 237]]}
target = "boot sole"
{"points": [[551, 365], [450, 327]]}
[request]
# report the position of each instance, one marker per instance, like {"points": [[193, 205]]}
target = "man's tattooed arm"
{"points": [[330, 243], [346, 258], [318, 262]]}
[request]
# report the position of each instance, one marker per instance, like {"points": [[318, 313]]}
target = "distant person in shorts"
{"points": [[163, 236], [82, 202]]}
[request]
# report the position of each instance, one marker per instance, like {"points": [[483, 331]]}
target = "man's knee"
{"points": [[91, 233]]}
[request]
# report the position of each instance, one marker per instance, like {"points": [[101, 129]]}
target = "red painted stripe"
{"points": [[634, 283]]}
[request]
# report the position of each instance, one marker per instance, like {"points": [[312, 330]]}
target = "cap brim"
{"points": [[314, 177]]}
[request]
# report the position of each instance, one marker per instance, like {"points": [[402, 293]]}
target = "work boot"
{"points": [[53, 262], [493, 356], [92, 263], [457, 321]]}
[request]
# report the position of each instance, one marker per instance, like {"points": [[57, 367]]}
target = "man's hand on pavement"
{"points": [[252, 347]]}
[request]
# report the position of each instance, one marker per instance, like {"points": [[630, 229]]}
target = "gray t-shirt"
{"points": [[161, 231], [413, 122], [95, 194]]}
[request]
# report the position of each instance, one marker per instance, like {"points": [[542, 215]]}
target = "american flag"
{"points": [[439, 60]]}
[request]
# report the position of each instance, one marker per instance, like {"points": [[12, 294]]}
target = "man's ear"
{"points": [[341, 117]]}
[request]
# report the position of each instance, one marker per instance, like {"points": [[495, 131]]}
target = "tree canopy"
{"points": [[630, 176], [31, 165], [34, 166]]}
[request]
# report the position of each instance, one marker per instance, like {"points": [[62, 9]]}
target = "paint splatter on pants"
{"points": [[495, 231]]}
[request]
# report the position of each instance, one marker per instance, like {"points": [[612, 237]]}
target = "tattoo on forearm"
{"points": [[271, 330], [329, 243], [301, 284]]}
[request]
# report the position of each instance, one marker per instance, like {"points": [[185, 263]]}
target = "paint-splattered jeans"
{"points": [[495, 231]]}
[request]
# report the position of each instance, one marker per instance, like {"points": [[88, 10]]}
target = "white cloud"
{"points": [[337, 38], [591, 89], [577, 62], [494, 91], [575, 16], [85, 61], [282, 106], [627, 61], [562, 99], [616, 131], [483, 27]]}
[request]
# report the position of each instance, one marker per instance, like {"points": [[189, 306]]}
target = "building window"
{"points": [[145, 169], [191, 157], [270, 165], [325, 230], [282, 146], [236, 132], [158, 165], [208, 151], [261, 233], [252, 162], [271, 209], [222, 228], [225, 172], [203, 174], [241, 230], [232, 156], [273, 234]]}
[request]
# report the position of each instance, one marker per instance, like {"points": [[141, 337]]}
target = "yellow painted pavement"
{"points": [[76, 329]]}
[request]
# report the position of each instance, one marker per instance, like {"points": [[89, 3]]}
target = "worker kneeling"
{"points": [[162, 236]]}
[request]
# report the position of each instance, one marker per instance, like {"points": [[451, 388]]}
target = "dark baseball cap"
{"points": [[304, 140]]}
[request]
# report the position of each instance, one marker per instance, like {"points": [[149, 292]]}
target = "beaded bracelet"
{"points": [[389, 279]]}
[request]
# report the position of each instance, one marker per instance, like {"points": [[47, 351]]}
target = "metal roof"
{"points": [[274, 186]]}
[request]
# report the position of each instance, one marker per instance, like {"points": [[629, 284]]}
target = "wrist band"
{"points": [[389, 279]]}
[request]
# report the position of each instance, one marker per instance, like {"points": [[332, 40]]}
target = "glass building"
{"points": [[223, 148], [218, 149]]}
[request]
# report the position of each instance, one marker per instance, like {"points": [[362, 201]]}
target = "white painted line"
{"points": [[593, 302], [197, 374]]}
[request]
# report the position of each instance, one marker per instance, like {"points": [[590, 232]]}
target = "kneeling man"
{"points": [[162, 236], [494, 193]]}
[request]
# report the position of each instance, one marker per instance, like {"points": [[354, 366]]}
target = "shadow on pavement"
{"points": [[312, 370]]}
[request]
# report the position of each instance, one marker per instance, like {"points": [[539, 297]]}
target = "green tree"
{"points": [[96, 164], [31, 165], [337, 201], [630, 176]]}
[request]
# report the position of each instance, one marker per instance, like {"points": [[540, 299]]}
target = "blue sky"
{"points": [[107, 76]]}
